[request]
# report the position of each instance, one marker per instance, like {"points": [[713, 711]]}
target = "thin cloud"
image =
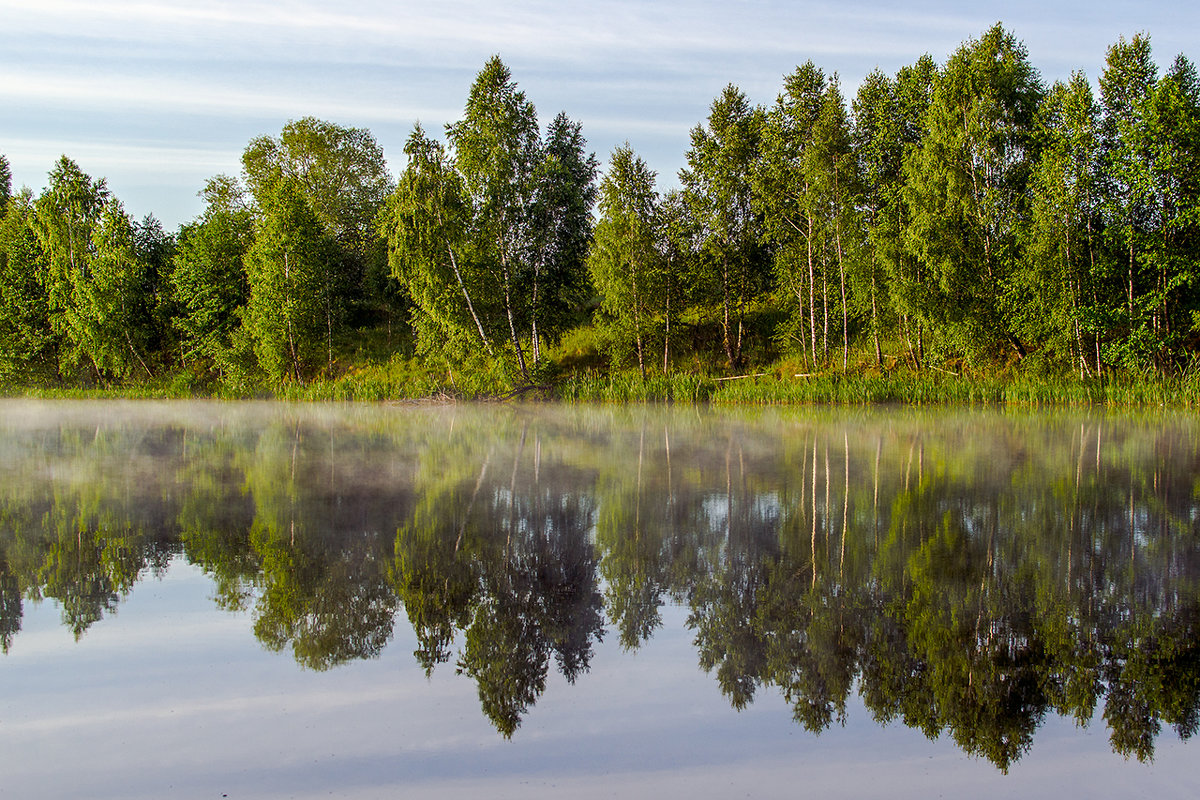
{"points": [[123, 71], [103, 91]]}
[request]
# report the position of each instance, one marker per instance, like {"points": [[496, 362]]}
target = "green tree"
{"points": [[880, 150], [156, 249], [625, 264], [5, 184], [677, 249], [342, 174], [966, 186], [785, 198], [836, 184], [1126, 86], [288, 310], [889, 121], [66, 214], [717, 188], [490, 234], [208, 276], [497, 150], [1173, 123], [112, 323], [27, 343], [428, 224], [908, 281], [806, 187], [1060, 286], [562, 223]]}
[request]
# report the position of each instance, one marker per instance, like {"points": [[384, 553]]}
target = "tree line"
{"points": [[961, 216]]}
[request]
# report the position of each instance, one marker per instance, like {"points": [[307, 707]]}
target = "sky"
{"points": [[156, 96]]}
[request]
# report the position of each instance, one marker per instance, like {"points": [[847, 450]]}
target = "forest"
{"points": [[953, 222]]}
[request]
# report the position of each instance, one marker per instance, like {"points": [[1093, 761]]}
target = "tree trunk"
{"points": [[667, 332], [875, 324], [470, 306], [837, 233]]}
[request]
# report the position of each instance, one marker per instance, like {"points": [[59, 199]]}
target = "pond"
{"points": [[273, 600]]}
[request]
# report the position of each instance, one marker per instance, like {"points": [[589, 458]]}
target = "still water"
{"points": [[267, 600]]}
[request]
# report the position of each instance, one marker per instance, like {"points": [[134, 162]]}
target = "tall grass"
{"points": [[401, 377], [932, 388], [901, 388], [631, 387]]}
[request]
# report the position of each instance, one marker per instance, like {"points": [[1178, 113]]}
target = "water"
{"points": [[265, 600]]}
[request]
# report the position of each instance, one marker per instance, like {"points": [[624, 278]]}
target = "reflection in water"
{"points": [[965, 573]]}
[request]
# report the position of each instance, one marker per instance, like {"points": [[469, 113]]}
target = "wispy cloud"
{"points": [[103, 90], [79, 71]]}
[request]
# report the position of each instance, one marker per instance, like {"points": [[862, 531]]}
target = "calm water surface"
{"points": [[266, 600]]}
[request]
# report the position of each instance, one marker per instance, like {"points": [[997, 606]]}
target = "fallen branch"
{"points": [[739, 377], [521, 390]]}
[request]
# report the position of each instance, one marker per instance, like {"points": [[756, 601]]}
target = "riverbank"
{"points": [[401, 380]]}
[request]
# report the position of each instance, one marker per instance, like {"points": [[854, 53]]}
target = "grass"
{"points": [[577, 372], [405, 378], [781, 387]]}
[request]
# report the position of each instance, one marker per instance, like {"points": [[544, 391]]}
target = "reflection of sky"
{"points": [[160, 96], [172, 697]]}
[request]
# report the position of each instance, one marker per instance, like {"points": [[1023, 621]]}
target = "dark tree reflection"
{"points": [[967, 574], [498, 550]]}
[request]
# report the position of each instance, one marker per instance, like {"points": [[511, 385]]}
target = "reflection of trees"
{"points": [[967, 578], [10, 606], [650, 533], [323, 584], [945, 577], [214, 517], [85, 539], [498, 550]]}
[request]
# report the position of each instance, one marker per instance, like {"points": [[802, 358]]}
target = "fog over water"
{"points": [[273, 600]]}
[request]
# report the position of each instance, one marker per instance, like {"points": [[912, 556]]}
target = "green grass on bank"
{"points": [[404, 379], [908, 388], [368, 368]]}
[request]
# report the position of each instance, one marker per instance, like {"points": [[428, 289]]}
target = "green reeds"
{"points": [[631, 387]]}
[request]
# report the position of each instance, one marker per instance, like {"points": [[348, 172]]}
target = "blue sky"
{"points": [[157, 95]]}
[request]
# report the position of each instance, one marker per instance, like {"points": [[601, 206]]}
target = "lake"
{"points": [[272, 600]]}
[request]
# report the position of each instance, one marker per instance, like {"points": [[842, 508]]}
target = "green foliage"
{"points": [[489, 238], [5, 184], [427, 223], [27, 343], [731, 265], [497, 151], [111, 317], [807, 186], [66, 214], [562, 231], [340, 171], [1059, 288], [209, 276], [966, 185], [288, 316], [99, 286], [624, 262]]}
